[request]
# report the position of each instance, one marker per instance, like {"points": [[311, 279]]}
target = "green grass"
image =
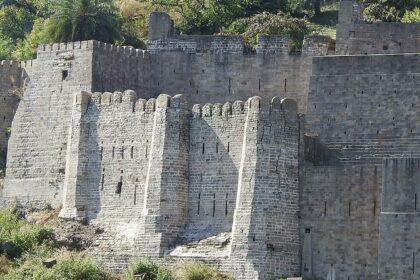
{"points": [[326, 23], [198, 271]]}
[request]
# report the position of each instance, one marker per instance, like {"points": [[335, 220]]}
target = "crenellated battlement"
{"points": [[128, 100]]}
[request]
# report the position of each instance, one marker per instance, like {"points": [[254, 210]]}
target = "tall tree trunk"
{"points": [[317, 7]]}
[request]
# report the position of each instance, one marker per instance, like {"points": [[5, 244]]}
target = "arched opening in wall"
{"points": [[64, 74]]}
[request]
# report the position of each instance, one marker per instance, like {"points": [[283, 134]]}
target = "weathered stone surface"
{"points": [[248, 186]]}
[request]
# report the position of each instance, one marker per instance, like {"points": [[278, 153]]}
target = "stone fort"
{"points": [[304, 163]]}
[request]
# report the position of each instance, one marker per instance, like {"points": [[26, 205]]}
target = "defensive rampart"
{"points": [[355, 36], [193, 180]]}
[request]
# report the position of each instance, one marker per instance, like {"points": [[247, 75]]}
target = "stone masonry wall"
{"points": [[265, 229], [37, 147], [399, 252], [340, 208], [142, 170], [10, 84], [216, 132], [355, 36], [220, 74], [366, 108]]}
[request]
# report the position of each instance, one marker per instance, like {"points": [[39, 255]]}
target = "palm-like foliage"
{"points": [[77, 20]]}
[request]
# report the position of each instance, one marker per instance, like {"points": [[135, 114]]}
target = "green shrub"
{"points": [[74, 267], [271, 24], [69, 267], [148, 269], [20, 235], [198, 271], [412, 16]]}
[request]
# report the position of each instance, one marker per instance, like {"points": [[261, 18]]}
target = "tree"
{"points": [[271, 24], [76, 20], [388, 10], [412, 16]]}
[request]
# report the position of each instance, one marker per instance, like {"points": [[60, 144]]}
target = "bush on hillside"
{"points": [[199, 271], [18, 236], [148, 269], [271, 24]]}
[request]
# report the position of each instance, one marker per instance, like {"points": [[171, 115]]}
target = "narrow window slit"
{"points": [[113, 152], [103, 179], [349, 208], [228, 147], [214, 204], [325, 208], [146, 151], [64, 74], [132, 152], [415, 202], [226, 205], [119, 186], [102, 152], [135, 194], [414, 256], [122, 152], [217, 148], [198, 204], [203, 148], [374, 208]]}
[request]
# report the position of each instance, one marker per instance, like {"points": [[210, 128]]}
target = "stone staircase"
{"points": [[372, 151]]}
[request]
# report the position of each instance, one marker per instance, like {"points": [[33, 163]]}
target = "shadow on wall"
{"points": [[94, 162], [214, 158]]}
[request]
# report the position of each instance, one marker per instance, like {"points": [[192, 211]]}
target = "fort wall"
{"points": [[215, 152], [41, 125], [355, 36], [266, 224], [399, 220], [10, 85], [366, 108], [180, 187], [340, 209], [219, 68]]}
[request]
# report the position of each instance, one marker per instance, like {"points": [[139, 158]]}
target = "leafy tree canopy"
{"points": [[76, 20], [388, 10]]}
